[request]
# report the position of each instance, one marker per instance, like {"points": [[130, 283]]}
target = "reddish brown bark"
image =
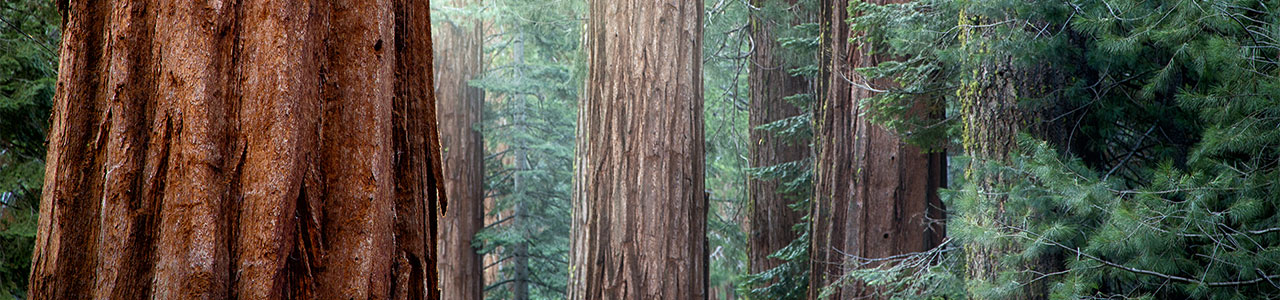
{"points": [[639, 216], [875, 195], [256, 149], [771, 218], [459, 60]]}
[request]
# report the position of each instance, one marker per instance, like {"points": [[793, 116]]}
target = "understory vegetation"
{"points": [[1145, 162]]}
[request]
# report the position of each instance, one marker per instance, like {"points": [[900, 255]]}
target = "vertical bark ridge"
{"points": [[280, 108], [418, 149], [128, 212], [640, 211], [992, 115], [992, 120], [357, 222], [217, 149], [195, 69], [833, 128], [63, 264]]}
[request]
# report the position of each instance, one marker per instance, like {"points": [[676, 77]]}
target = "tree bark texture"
{"points": [[639, 219], [992, 118], [875, 195], [771, 218], [253, 150], [459, 59]]}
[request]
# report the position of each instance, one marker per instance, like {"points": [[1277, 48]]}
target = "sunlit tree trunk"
{"points": [[771, 218], [252, 150], [460, 107], [639, 228], [875, 195]]}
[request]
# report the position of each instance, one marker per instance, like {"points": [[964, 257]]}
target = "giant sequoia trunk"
{"points": [[875, 195], [639, 216], [459, 60], [771, 219], [255, 149]]}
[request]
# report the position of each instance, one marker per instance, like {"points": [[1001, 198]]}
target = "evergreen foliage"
{"points": [[28, 66], [532, 82], [790, 280], [1151, 167], [725, 53]]}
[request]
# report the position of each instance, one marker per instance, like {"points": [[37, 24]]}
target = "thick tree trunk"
{"points": [[256, 150], [639, 228], [460, 108], [771, 218], [992, 119], [875, 195]]}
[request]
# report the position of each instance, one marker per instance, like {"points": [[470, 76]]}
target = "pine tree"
{"points": [[532, 83], [1138, 146]]}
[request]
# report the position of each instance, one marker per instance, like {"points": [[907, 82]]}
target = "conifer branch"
{"points": [[1080, 253]]}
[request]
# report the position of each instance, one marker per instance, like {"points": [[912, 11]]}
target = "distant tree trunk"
{"points": [[253, 150], [875, 195], [639, 228], [771, 217], [460, 108], [520, 287]]}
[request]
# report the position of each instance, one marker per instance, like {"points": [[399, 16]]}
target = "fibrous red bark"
{"points": [[251, 149], [458, 60], [639, 216], [875, 195]]}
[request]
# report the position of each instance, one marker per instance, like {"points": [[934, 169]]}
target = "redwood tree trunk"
{"points": [[460, 108], [875, 195], [256, 150], [771, 218], [639, 213]]}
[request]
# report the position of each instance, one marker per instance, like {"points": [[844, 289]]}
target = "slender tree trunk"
{"points": [[460, 108], [256, 150], [875, 196], [771, 217], [520, 287], [639, 208]]}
